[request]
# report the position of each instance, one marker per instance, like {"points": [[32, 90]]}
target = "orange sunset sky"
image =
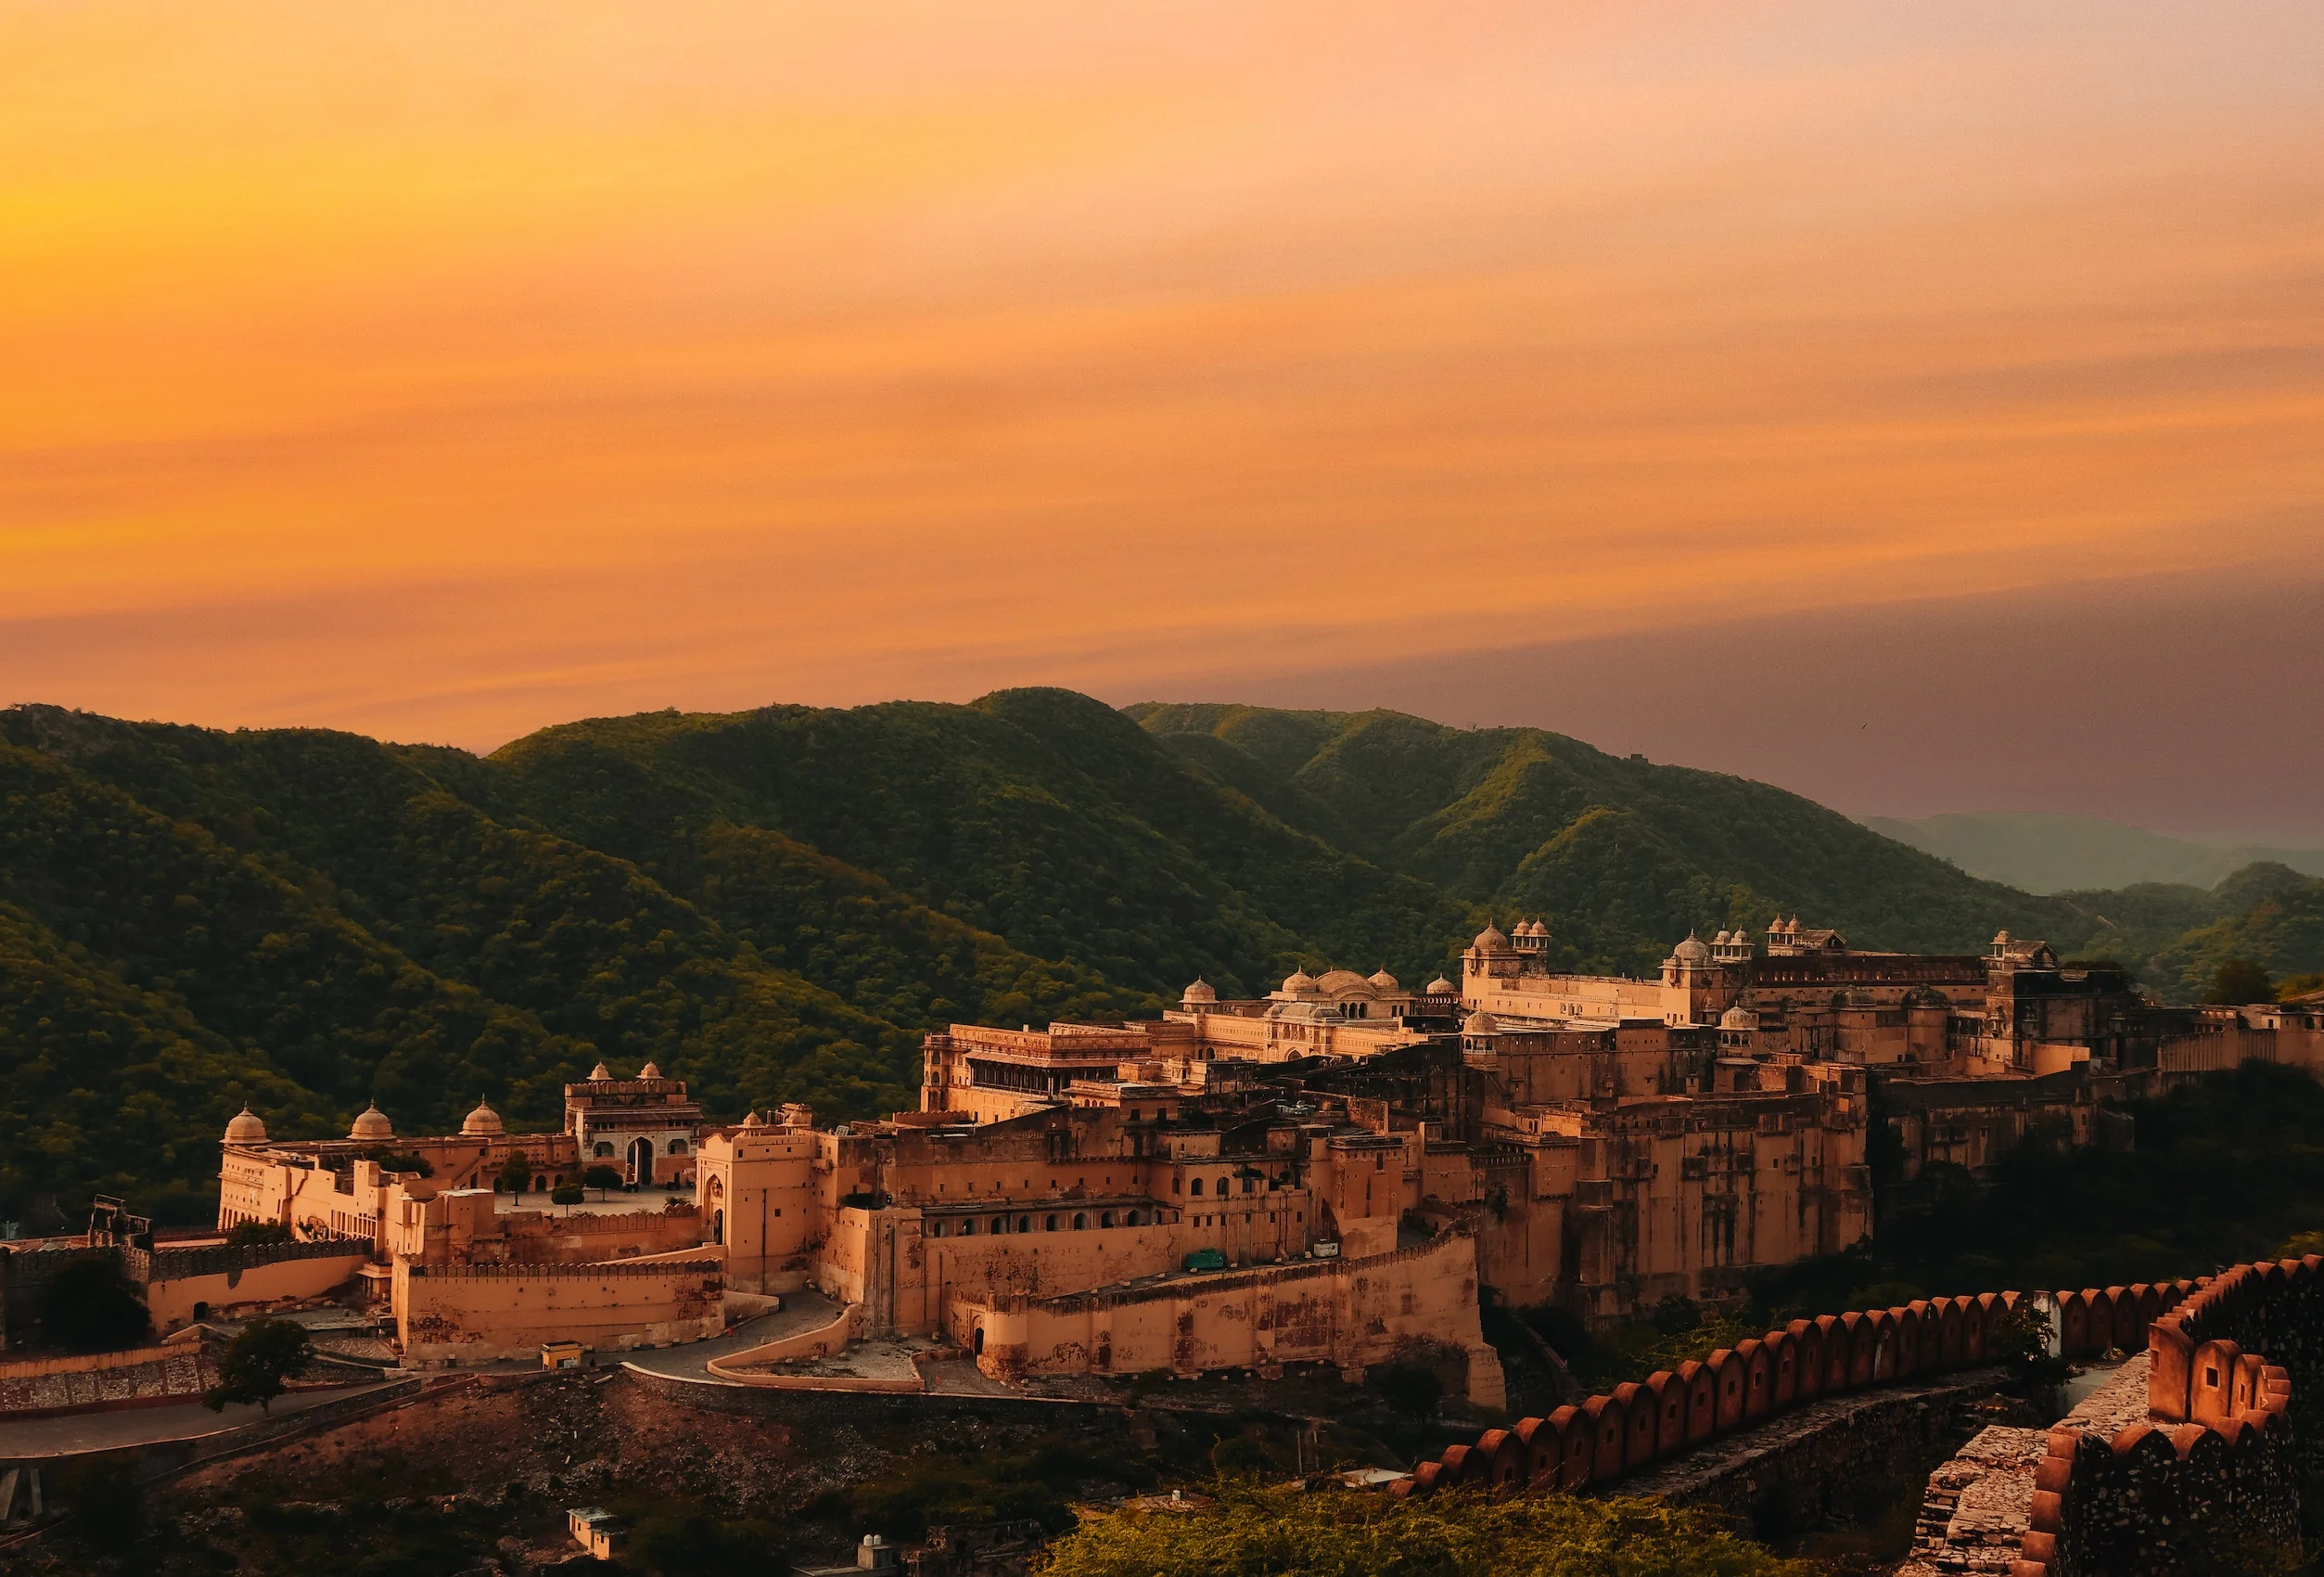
{"points": [[441, 371]]}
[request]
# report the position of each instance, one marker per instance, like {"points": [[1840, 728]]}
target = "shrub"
{"points": [[252, 1234], [1346, 1533]]}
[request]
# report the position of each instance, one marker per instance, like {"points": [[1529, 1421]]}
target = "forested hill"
{"points": [[775, 905]]}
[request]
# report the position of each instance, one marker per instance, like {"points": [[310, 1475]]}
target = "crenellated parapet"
{"points": [[2214, 1465], [1670, 1412]]}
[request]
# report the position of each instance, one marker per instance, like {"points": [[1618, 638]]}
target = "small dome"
{"points": [[1690, 951], [2001, 939], [1340, 981], [1538, 928], [649, 1072], [1298, 980], [1719, 941], [1440, 987], [372, 1124], [1739, 1017], [754, 1120], [1384, 982], [1490, 939], [482, 1123], [246, 1129], [1201, 991], [601, 1072], [1480, 1023]]}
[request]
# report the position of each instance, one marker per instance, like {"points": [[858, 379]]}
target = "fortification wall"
{"points": [[1608, 1438], [1351, 1312], [2216, 1465], [481, 1313], [217, 1279], [88, 1382]]}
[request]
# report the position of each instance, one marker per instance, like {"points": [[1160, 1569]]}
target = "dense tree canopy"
{"points": [[774, 906]]}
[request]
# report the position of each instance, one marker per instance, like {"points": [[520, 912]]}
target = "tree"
{"points": [[250, 1234], [565, 1194], [1411, 1391], [2239, 981], [1348, 1533], [257, 1361], [601, 1177], [89, 1306], [516, 1173], [690, 1544], [401, 1161]]}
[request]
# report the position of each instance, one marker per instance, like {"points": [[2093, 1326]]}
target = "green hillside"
{"points": [[776, 904]]}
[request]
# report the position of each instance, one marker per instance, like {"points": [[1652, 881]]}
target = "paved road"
{"points": [[804, 1310], [145, 1426]]}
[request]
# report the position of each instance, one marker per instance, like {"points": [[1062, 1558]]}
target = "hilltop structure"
{"points": [[1336, 1174]]}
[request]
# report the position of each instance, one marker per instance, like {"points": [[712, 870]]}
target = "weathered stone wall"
{"points": [[1351, 1312], [1608, 1438], [85, 1382], [481, 1313], [1831, 1460], [2187, 1462]]}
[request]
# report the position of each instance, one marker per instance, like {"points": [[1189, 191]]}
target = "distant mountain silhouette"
{"points": [[2043, 852]]}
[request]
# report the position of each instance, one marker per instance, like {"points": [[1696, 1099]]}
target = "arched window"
{"points": [[1025, 1224], [677, 1147], [540, 1183], [1130, 1220], [1052, 1224], [1000, 1224], [718, 1226], [1081, 1220], [603, 1150], [1105, 1218], [1246, 1185], [968, 1227], [936, 1229], [1198, 1189]]}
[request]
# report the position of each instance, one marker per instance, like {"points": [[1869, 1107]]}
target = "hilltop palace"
{"points": [[1324, 1176]]}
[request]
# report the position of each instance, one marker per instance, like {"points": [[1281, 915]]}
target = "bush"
{"points": [[254, 1234], [568, 1194], [2018, 1341], [1412, 1391], [1345, 1533], [89, 1306], [692, 1543]]}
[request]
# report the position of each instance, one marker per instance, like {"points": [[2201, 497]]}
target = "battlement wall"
{"points": [[1607, 1438], [2216, 1463]]}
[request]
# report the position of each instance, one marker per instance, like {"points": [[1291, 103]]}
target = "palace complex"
{"points": [[1331, 1174]]}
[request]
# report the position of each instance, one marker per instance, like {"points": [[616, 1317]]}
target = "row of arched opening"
{"points": [[1078, 1221]]}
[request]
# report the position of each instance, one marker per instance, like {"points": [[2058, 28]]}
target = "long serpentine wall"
{"points": [[1608, 1437]]}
